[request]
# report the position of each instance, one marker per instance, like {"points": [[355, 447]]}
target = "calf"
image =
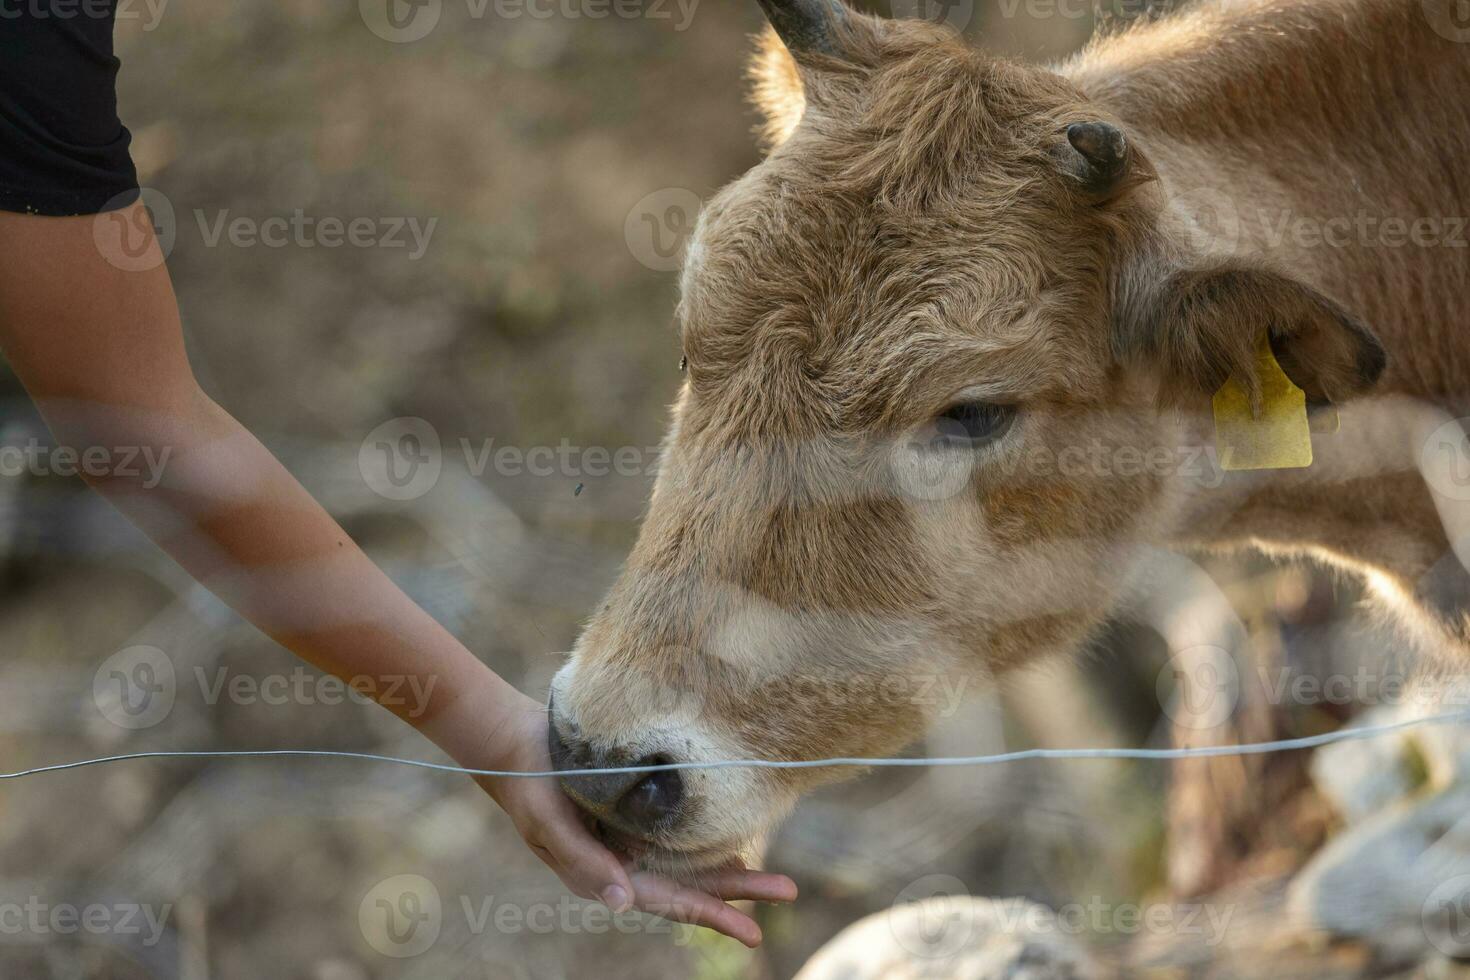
{"points": [[951, 349]]}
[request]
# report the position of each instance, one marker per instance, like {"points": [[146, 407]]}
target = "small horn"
{"points": [[805, 25], [1104, 154]]}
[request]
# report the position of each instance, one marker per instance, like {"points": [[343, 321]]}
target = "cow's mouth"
{"points": [[680, 863], [625, 845]]}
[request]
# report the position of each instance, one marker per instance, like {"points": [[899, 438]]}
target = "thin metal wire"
{"points": [[1201, 752]]}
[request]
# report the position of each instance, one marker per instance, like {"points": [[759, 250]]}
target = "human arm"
{"points": [[101, 351]]}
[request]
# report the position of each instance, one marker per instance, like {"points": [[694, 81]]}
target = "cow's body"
{"points": [[953, 274]]}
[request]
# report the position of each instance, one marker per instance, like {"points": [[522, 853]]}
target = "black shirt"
{"points": [[63, 150]]}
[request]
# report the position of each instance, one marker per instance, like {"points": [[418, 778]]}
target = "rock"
{"points": [[1362, 777], [1444, 746], [1398, 877], [1399, 880], [953, 937]]}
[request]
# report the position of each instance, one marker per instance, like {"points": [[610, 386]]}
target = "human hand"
{"points": [[556, 832]]}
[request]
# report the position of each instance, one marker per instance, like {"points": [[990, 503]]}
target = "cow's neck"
{"points": [[1329, 128]]}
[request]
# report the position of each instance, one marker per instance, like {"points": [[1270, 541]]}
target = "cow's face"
{"points": [[913, 448]]}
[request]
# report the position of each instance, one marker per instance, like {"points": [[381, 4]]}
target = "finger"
{"points": [[662, 897], [582, 862], [551, 862], [740, 884]]}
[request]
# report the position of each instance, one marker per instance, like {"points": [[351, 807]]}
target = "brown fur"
{"points": [[919, 234]]}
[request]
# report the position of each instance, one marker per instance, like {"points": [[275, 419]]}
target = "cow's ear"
{"points": [[775, 88], [1200, 326]]}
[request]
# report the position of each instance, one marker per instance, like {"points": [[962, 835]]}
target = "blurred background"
{"points": [[525, 181]]}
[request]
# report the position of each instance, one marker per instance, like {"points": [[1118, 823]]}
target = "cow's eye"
{"points": [[967, 425]]}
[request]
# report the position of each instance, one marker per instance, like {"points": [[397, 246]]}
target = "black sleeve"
{"points": [[63, 150]]}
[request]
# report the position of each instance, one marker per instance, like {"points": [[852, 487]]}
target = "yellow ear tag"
{"points": [[1280, 437]]}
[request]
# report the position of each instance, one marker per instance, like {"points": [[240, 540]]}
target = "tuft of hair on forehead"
{"points": [[909, 114], [940, 131]]}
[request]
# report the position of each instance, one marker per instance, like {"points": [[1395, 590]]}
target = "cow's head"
{"points": [[927, 343]]}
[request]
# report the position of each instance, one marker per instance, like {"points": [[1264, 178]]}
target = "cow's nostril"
{"points": [[641, 801], [653, 798]]}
